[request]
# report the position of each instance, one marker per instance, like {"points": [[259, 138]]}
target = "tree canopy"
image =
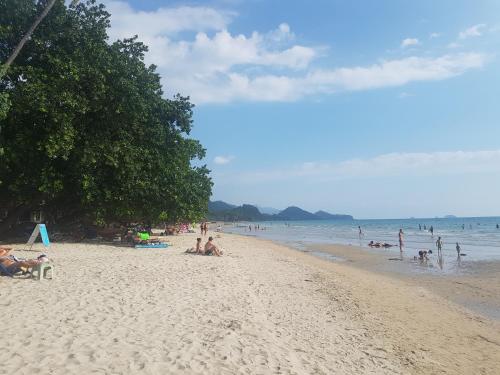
{"points": [[86, 132]]}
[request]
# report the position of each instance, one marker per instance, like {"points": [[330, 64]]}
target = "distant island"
{"points": [[222, 211]]}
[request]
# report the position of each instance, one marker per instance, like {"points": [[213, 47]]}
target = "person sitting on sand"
{"points": [[197, 249], [210, 248]]}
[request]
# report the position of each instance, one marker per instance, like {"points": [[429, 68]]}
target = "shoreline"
{"points": [[260, 308], [476, 288], [474, 284]]}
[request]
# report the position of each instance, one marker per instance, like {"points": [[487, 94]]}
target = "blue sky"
{"points": [[377, 109]]}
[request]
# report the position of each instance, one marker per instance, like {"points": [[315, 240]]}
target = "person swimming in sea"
{"points": [[378, 244]]}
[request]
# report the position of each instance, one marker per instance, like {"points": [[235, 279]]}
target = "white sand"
{"points": [[259, 309]]}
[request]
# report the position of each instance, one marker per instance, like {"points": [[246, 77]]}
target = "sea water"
{"points": [[478, 237]]}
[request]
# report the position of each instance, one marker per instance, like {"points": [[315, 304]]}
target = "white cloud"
{"points": [[197, 55], [390, 73], [127, 22], [387, 165], [399, 72], [434, 35], [408, 42], [472, 31], [282, 33], [221, 160], [404, 95], [453, 45]]}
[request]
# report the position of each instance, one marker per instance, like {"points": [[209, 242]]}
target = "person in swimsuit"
{"points": [[401, 239], [210, 248], [4, 251], [422, 255], [197, 249], [13, 266], [439, 244]]}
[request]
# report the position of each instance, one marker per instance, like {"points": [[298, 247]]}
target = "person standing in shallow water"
{"points": [[431, 229], [439, 244], [360, 232], [401, 239]]}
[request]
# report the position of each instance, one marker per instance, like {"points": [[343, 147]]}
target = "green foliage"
{"points": [[88, 133], [4, 105]]}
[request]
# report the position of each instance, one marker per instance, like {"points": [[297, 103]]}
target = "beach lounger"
{"points": [[41, 271], [159, 245]]}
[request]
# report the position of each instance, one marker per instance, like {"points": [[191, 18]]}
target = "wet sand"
{"points": [[472, 284]]}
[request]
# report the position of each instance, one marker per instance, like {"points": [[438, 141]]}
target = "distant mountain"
{"points": [[295, 213], [323, 215], [245, 212], [268, 210], [450, 217], [217, 206], [222, 211]]}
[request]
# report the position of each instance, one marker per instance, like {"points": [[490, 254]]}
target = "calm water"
{"points": [[478, 237]]}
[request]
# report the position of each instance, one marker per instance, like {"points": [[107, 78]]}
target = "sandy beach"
{"points": [[262, 308]]}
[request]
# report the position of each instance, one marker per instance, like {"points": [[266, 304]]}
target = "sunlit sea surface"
{"points": [[479, 237]]}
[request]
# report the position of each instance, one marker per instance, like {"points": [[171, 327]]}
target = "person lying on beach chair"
{"points": [[4, 251], [197, 249], [211, 249], [11, 265]]}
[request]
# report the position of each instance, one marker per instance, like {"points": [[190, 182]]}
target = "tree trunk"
{"points": [[26, 37]]}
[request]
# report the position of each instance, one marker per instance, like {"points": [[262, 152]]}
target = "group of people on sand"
{"points": [[204, 228], [423, 254], [10, 265], [209, 249]]}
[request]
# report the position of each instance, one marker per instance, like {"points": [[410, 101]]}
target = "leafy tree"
{"points": [[88, 134]]}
